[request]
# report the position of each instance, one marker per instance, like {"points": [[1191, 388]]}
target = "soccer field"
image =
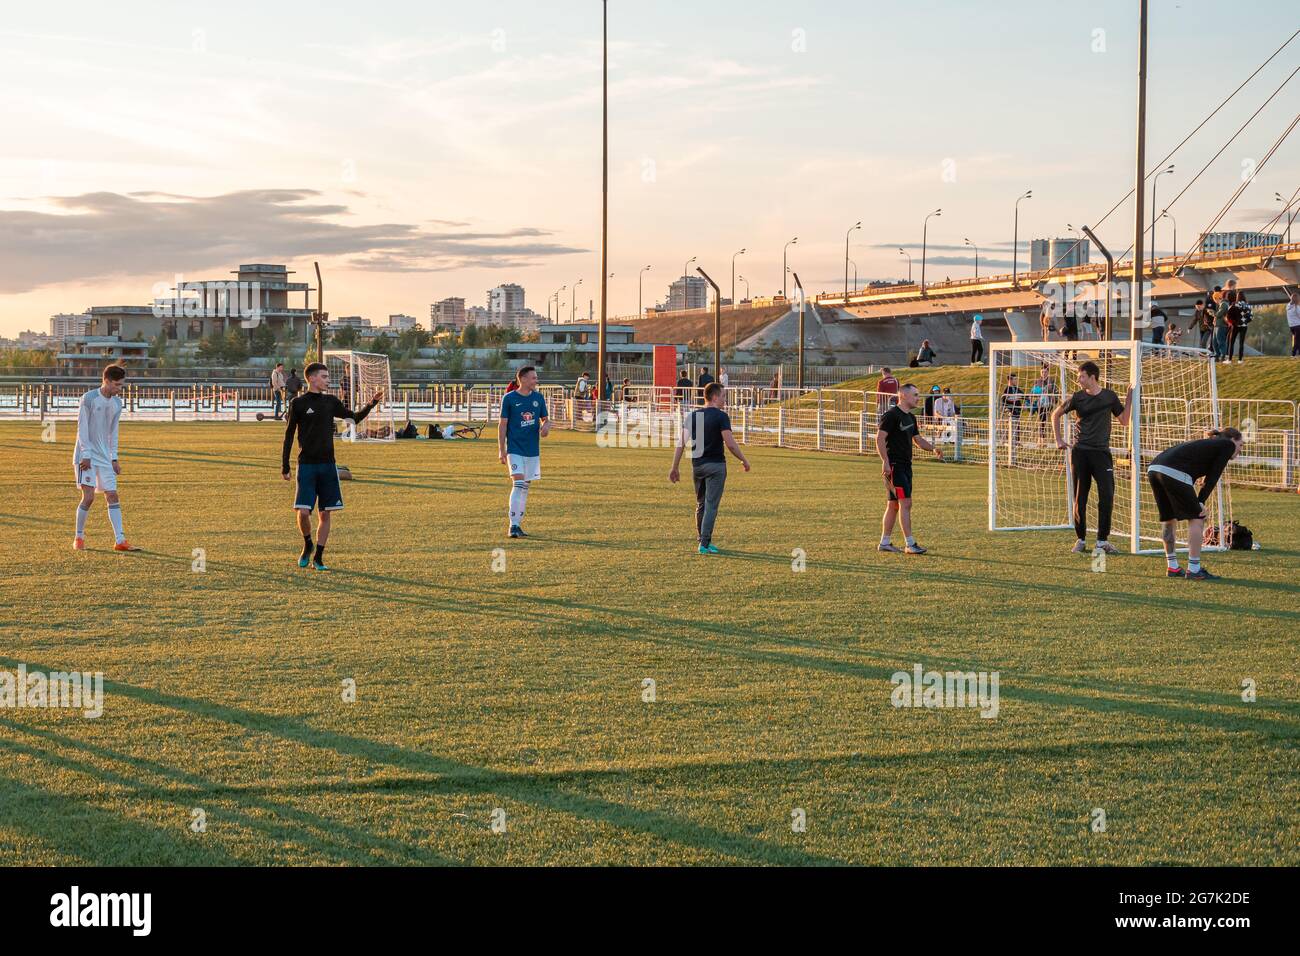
{"points": [[522, 691]]}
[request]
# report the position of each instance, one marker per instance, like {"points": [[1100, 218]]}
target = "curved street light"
{"points": [[1015, 241], [925, 226], [640, 311], [785, 268], [977, 256], [733, 276], [856, 225], [904, 252], [1154, 217]]}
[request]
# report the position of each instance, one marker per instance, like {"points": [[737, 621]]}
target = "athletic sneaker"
{"points": [[1080, 546], [1201, 575], [1105, 547], [124, 546], [78, 544], [303, 561], [709, 549], [915, 549], [889, 548], [517, 532], [1175, 573], [319, 566]]}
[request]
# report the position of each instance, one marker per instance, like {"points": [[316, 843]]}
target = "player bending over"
{"points": [[311, 415], [524, 423], [894, 445], [1173, 477], [1090, 458], [94, 456], [708, 432]]}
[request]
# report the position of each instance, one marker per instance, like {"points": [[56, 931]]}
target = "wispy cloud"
{"points": [[96, 235]]}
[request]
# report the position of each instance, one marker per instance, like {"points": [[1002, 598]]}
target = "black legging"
{"points": [[1237, 337], [1087, 464], [976, 350]]}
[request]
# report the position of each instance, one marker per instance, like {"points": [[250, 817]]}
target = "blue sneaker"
{"points": [[319, 566], [302, 562], [709, 549]]}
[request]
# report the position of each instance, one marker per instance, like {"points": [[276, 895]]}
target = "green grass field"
{"points": [[523, 690]]}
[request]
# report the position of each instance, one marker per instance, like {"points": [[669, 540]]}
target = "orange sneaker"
{"points": [[78, 544], [124, 546]]}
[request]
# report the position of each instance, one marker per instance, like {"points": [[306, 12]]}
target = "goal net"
{"points": [[1175, 399], [354, 378]]}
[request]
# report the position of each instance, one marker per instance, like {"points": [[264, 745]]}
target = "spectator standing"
{"points": [[277, 389], [705, 379], [683, 387], [292, 385], [976, 341], [887, 390], [723, 378], [930, 400], [1045, 319], [1237, 332], [1293, 322], [1159, 321], [1222, 324]]}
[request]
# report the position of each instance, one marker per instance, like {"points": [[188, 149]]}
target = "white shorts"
{"points": [[99, 477], [530, 468]]}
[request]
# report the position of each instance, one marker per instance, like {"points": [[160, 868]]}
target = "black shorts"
{"points": [[900, 484], [1175, 500]]}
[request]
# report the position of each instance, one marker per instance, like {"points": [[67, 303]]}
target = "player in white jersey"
{"points": [[94, 457]]}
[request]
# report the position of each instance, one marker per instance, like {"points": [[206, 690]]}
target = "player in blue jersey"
{"points": [[524, 423]]}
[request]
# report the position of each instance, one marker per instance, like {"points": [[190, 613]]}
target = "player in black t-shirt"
{"points": [[706, 432], [1173, 475], [1090, 457], [311, 417], [894, 439]]}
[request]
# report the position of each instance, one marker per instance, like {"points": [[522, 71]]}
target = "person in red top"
{"points": [[887, 386], [512, 386]]}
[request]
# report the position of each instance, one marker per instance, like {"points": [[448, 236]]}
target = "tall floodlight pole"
{"points": [[1289, 216], [977, 256], [604, 202], [904, 252], [573, 302], [785, 267], [640, 310], [925, 227], [717, 320], [857, 225], [1015, 240], [733, 278], [799, 286], [1136, 297], [1154, 218]]}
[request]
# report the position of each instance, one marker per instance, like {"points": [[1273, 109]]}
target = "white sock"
{"points": [[518, 502], [1193, 564], [81, 521], [115, 519], [1172, 561]]}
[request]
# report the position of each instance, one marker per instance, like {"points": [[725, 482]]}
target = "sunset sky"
{"points": [[434, 149]]}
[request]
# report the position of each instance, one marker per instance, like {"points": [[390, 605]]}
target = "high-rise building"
{"points": [[448, 313], [1057, 253], [477, 315], [400, 323], [64, 325], [1228, 241], [688, 292]]}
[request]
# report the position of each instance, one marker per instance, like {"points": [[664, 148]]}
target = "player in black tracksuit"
{"points": [[1173, 475], [1090, 458]]}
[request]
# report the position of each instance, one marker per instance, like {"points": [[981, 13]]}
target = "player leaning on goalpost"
{"points": [[1090, 458], [311, 416], [1173, 476], [894, 445], [524, 422], [94, 456]]}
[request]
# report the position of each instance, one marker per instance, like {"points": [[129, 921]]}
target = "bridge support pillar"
{"points": [[1023, 329]]}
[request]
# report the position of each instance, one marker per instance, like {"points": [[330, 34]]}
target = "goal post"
{"points": [[1175, 399], [354, 378]]}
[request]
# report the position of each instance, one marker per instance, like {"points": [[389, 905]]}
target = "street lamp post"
{"points": [[1154, 218], [785, 268], [925, 226], [573, 302], [1289, 216], [556, 296], [1015, 241], [857, 225], [733, 278], [904, 252], [855, 275], [686, 283], [1165, 215], [746, 281], [977, 256], [640, 310]]}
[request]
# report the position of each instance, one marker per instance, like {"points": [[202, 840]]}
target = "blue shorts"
{"points": [[319, 483]]}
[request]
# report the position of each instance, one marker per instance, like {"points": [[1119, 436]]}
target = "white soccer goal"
{"points": [[354, 378], [1175, 400]]}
